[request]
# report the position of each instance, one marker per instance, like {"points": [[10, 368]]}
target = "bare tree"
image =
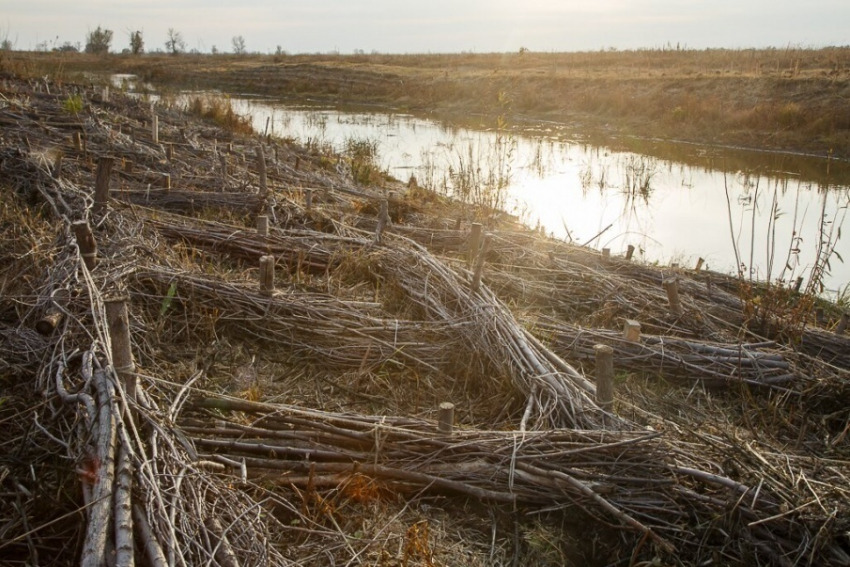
{"points": [[137, 43], [98, 41], [239, 45], [175, 44]]}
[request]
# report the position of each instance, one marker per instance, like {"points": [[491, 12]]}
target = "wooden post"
{"points": [[479, 265], [671, 286], [77, 138], [604, 377], [54, 314], [267, 275], [308, 198], [155, 129], [128, 166], [383, 220], [474, 243], [119, 334], [133, 135], [798, 284], [47, 324], [606, 255], [86, 243], [166, 181], [629, 251], [222, 160], [447, 417], [842, 325], [263, 225], [85, 145], [56, 171], [700, 262], [276, 156], [631, 331], [169, 151], [101, 187], [261, 164], [297, 162]]}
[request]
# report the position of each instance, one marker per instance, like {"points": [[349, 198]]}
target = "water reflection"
{"points": [[766, 215]]}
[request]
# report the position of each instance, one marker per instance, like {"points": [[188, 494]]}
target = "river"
{"points": [[768, 215]]}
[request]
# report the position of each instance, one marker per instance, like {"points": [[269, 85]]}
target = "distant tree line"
{"points": [[99, 42]]}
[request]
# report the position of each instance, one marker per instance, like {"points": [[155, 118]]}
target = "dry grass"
{"points": [[351, 355], [788, 99]]}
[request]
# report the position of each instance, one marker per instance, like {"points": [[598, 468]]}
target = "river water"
{"points": [[770, 215]]}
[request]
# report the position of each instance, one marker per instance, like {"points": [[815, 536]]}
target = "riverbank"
{"points": [[221, 344], [793, 100]]}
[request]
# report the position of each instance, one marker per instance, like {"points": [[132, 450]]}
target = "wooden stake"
{"points": [[78, 141], [798, 284], [119, 334], [671, 286], [155, 129], [101, 187], [169, 151], [700, 262], [383, 220], [606, 255], [222, 159], [631, 331], [474, 243], [479, 265], [47, 324], [447, 417], [297, 162], [166, 181], [267, 275], [86, 243], [842, 325], [128, 166], [604, 377], [261, 164], [54, 314], [57, 166], [263, 225]]}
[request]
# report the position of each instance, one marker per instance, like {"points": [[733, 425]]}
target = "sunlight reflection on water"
{"points": [[670, 210]]}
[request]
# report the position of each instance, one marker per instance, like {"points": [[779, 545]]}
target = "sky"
{"points": [[433, 26]]}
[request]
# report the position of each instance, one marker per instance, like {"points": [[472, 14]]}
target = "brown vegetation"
{"points": [[297, 426], [779, 99]]}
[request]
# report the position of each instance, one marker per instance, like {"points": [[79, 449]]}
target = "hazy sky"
{"points": [[415, 26]]}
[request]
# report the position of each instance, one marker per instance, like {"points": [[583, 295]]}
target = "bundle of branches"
{"points": [[335, 333], [756, 364], [706, 493], [660, 488], [558, 392]]}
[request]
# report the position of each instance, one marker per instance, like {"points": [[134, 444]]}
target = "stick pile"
{"points": [[132, 444]]}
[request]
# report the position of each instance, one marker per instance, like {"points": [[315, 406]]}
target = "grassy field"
{"points": [[777, 99]]}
